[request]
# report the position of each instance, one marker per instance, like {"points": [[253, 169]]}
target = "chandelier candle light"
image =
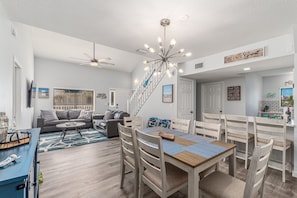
{"points": [[165, 55]]}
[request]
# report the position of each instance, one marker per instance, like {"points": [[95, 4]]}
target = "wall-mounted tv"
{"points": [[286, 94], [29, 93]]}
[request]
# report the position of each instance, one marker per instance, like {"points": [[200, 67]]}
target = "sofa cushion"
{"points": [[62, 115], [73, 114], [49, 115], [54, 122], [86, 115], [98, 122]]}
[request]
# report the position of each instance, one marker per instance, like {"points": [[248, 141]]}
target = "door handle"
{"points": [[191, 112]]}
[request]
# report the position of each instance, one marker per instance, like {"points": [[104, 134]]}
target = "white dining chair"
{"points": [[213, 118], [163, 178], [181, 125], [207, 129], [237, 130], [134, 122], [128, 155], [272, 128], [222, 185]]}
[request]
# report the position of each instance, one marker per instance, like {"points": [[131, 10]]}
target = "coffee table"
{"points": [[70, 125]]}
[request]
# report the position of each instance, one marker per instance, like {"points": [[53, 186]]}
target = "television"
{"points": [[30, 90]]}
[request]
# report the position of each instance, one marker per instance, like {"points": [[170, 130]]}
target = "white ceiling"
{"points": [[122, 27]]}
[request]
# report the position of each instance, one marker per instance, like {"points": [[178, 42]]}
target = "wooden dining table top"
{"points": [[190, 149]]}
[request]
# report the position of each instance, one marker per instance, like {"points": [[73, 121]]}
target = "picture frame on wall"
{"points": [[43, 92], [167, 93], [233, 93]]}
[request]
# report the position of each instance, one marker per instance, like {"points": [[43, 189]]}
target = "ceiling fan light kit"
{"points": [[94, 62], [164, 56]]}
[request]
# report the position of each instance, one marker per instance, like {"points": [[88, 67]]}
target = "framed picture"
{"points": [[43, 92], [233, 93], [286, 97], [167, 93]]}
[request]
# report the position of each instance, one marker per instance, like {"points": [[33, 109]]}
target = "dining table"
{"points": [[194, 154]]}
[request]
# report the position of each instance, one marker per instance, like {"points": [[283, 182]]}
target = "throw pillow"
{"points": [[108, 115], [87, 115], [117, 115], [164, 123], [62, 115], [73, 114], [49, 115], [152, 122]]}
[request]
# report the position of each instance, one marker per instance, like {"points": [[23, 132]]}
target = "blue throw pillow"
{"points": [[152, 122]]}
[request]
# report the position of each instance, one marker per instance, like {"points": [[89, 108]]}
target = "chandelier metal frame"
{"points": [[165, 55]]}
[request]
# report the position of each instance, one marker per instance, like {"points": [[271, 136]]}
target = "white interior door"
{"points": [[212, 97], [186, 106]]}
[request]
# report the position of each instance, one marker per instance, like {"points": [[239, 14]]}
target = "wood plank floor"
{"points": [[93, 171]]}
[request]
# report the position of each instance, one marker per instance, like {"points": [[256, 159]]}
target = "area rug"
{"points": [[53, 141]]}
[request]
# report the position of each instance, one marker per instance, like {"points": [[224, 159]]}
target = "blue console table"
{"points": [[16, 180]]}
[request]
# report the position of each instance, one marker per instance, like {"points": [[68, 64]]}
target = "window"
{"points": [[73, 99], [112, 98]]}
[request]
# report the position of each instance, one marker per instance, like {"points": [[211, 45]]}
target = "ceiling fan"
{"points": [[93, 61]]}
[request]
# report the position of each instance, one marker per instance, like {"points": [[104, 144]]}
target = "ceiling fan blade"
{"points": [[107, 58], [106, 63]]}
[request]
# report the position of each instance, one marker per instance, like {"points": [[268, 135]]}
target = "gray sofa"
{"points": [[107, 123], [50, 118]]}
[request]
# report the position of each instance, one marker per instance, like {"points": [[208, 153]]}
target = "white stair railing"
{"points": [[145, 88]]}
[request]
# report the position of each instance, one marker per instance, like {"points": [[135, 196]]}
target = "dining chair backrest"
{"points": [[219, 184], [265, 129], [211, 117], [151, 160], [181, 125], [127, 142], [237, 127], [207, 129], [133, 121], [257, 170], [129, 156]]}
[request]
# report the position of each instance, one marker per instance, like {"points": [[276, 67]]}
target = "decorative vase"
{"points": [[3, 126]]}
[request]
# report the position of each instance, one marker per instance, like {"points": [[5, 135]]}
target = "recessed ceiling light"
{"points": [[246, 69], [184, 17]]}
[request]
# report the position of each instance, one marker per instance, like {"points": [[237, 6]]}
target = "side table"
{"points": [[15, 179]]}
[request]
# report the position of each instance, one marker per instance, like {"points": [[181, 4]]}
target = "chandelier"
{"points": [[165, 55]]}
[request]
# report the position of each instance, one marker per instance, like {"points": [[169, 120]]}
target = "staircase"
{"points": [[143, 91]]}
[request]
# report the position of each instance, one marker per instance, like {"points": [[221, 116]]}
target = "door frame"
{"points": [[202, 95], [16, 93]]}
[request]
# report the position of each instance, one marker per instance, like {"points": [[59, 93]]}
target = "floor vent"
{"points": [[198, 65]]}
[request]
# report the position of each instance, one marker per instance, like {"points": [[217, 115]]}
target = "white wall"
{"points": [[20, 47], [272, 84], [253, 93], [234, 107], [275, 47], [154, 107], [55, 74]]}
